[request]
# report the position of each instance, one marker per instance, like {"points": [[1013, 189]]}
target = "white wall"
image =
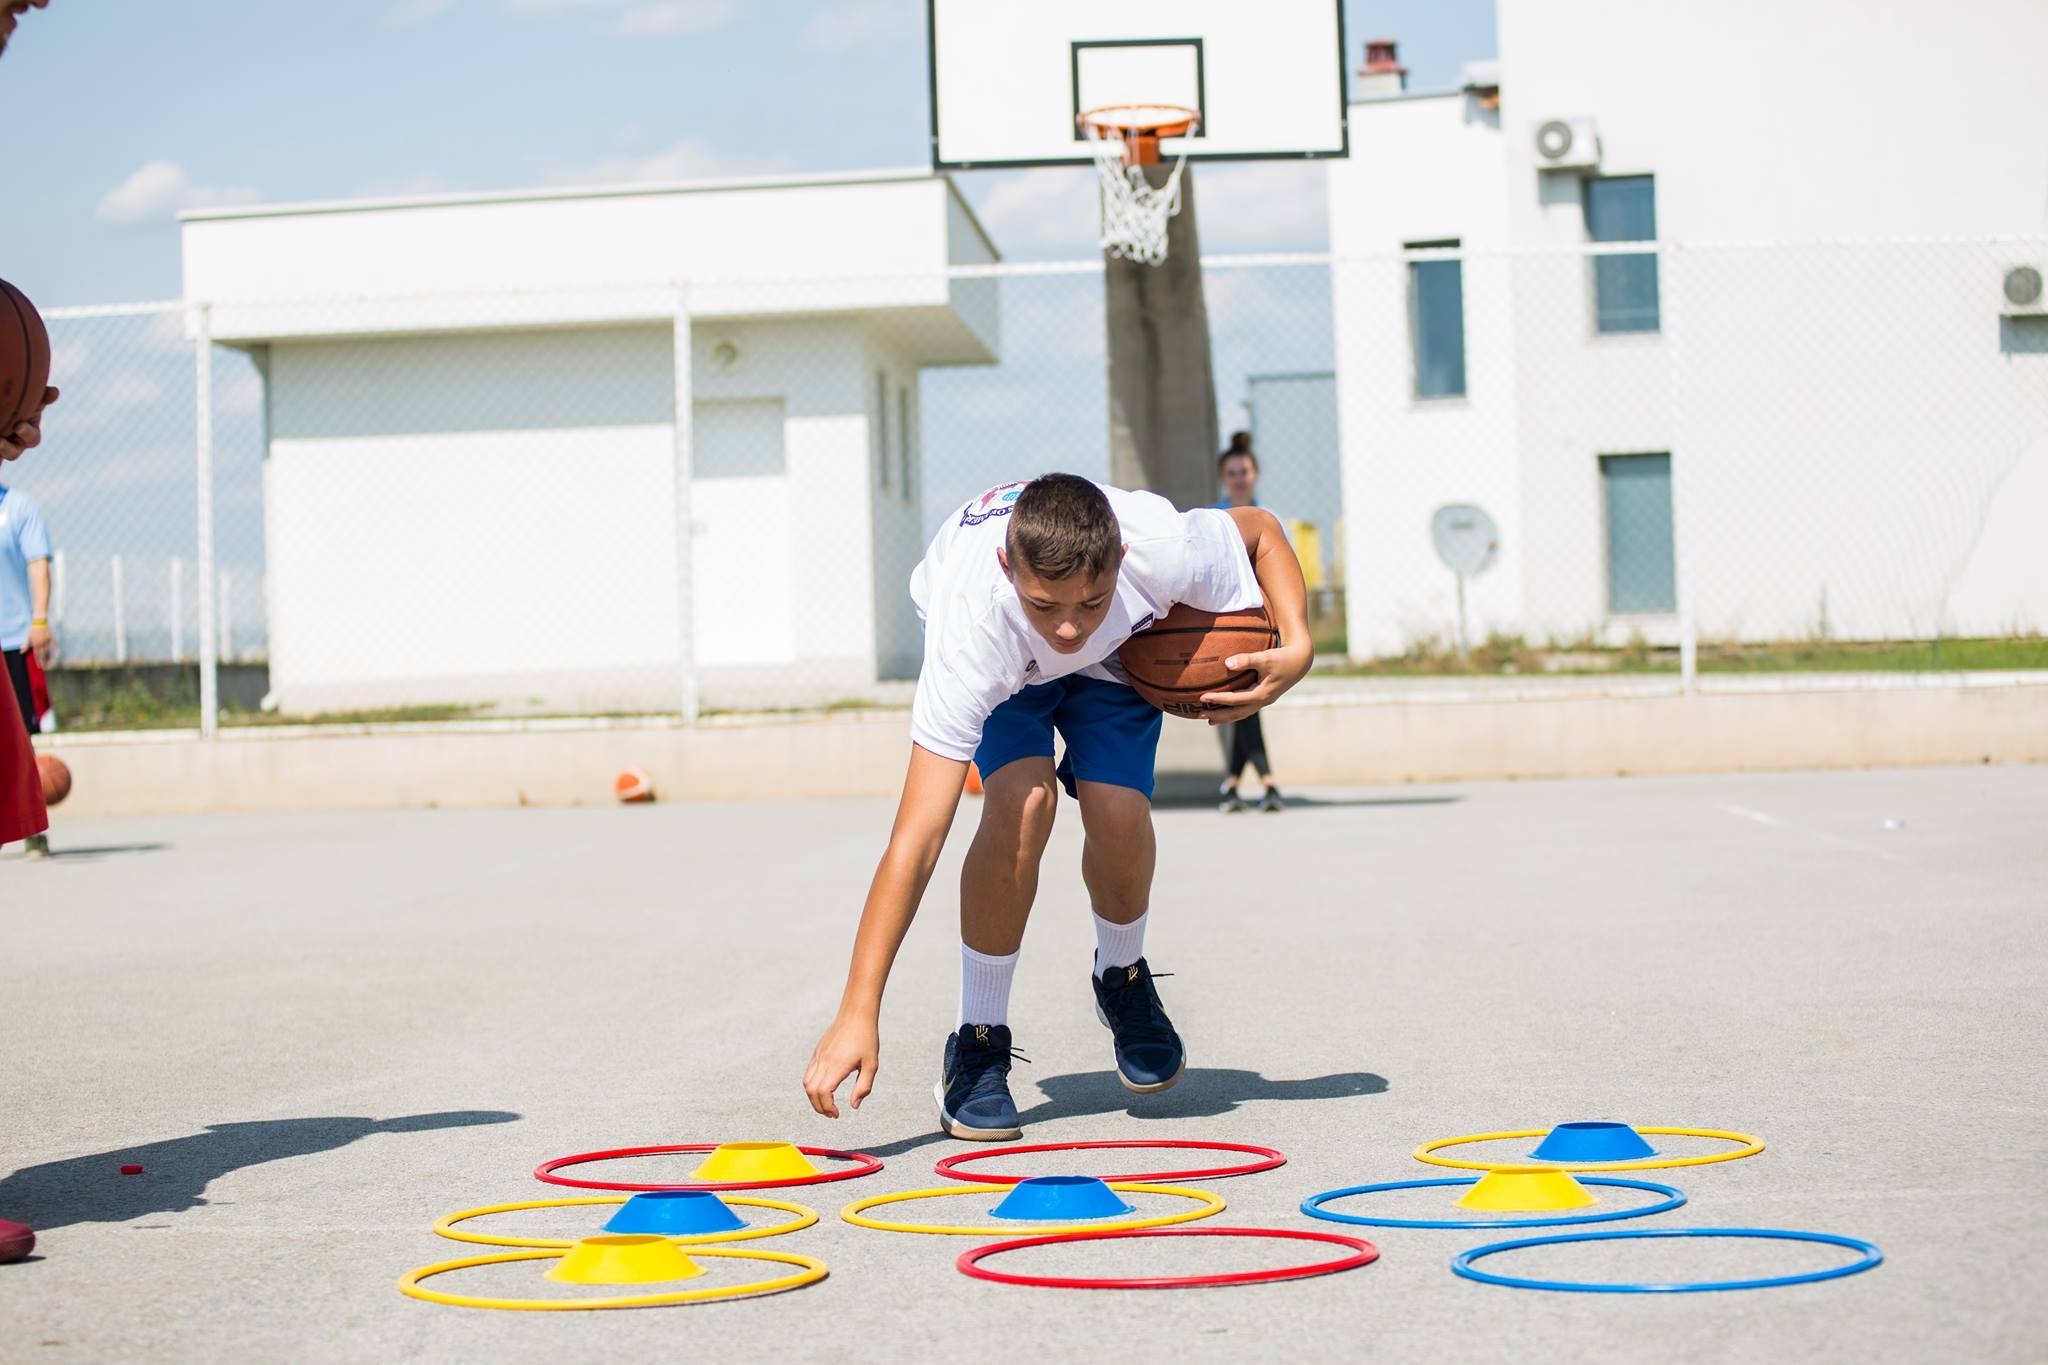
{"points": [[1851, 445], [1423, 168], [897, 502], [489, 518]]}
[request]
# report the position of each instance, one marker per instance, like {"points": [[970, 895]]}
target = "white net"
{"points": [[1134, 211]]}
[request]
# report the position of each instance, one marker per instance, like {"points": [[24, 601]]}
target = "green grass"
{"points": [[1511, 655]]}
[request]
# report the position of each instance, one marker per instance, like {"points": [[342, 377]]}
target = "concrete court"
{"points": [[304, 1025]]}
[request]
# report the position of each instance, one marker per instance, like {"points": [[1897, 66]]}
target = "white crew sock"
{"points": [[1119, 945], [985, 987]]}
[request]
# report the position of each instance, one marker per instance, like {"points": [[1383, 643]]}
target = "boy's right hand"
{"points": [[27, 434], [849, 1046]]}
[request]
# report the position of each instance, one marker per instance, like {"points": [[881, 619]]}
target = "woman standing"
{"points": [[1244, 744]]}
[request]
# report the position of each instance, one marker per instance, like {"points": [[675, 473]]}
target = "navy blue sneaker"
{"points": [[974, 1089], [1149, 1054]]}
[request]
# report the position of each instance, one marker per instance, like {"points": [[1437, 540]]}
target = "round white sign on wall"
{"points": [[1466, 539]]}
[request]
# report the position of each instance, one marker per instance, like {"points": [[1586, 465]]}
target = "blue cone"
{"points": [[675, 1213], [1061, 1198], [1577, 1143]]}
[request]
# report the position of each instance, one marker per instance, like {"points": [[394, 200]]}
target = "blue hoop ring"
{"points": [[1872, 1258], [1313, 1206]]}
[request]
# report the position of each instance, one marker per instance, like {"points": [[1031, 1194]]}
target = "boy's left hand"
{"points": [[1278, 670]]}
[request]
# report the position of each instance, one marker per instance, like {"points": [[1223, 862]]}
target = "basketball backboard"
{"points": [[1011, 77]]}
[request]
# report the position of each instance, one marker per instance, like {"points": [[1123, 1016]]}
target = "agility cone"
{"points": [[1576, 1144], [675, 1213], [1061, 1198], [1528, 1189], [751, 1161], [624, 1260]]}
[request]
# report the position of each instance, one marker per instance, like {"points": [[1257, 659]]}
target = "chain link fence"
{"points": [[1658, 456]]}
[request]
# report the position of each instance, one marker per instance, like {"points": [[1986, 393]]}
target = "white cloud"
{"points": [[692, 158], [1264, 206], [662, 18], [844, 24], [1054, 209], [159, 190]]}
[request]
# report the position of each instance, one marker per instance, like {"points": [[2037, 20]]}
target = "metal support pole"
{"points": [[120, 610], [684, 472], [177, 610], [209, 577]]}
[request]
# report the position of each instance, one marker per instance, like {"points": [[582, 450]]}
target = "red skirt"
{"points": [[21, 786]]}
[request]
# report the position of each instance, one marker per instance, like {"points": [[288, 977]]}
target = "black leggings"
{"points": [[17, 676], [1247, 745]]}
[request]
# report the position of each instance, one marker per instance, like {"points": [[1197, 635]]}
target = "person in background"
{"points": [[1244, 743], [25, 633]]}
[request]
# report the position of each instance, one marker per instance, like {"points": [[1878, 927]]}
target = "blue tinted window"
{"points": [[1623, 208], [1642, 573], [1436, 305]]}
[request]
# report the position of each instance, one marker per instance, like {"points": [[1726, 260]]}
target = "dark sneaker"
{"points": [[1229, 802], [974, 1088], [1271, 801], [38, 846], [1149, 1055]]}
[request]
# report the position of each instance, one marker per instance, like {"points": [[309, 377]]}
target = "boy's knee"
{"points": [[1114, 813], [1021, 800]]}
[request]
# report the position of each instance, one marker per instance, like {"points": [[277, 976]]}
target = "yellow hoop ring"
{"points": [[1212, 1204], [1750, 1147], [445, 1226], [409, 1283]]}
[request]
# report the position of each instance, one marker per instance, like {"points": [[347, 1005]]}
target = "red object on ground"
{"points": [[1362, 1253], [865, 1165], [1268, 1159], [16, 1240], [131, 1170], [21, 786], [973, 780], [633, 785]]}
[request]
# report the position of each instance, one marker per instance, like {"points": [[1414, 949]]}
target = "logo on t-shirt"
{"points": [[994, 503]]}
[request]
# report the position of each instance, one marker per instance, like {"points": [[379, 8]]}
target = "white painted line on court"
{"points": [[1820, 836]]}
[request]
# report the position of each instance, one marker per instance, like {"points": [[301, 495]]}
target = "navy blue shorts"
{"points": [[1112, 733]]}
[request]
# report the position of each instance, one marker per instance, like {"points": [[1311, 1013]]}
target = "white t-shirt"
{"points": [[979, 650]]}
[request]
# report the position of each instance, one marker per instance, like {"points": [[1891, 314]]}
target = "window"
{"points": [[1436, 322], [882, 430], [903, 441], [1623, 208], [1642, 577]]}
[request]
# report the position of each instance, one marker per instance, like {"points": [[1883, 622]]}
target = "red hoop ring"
{"points": [[545, 1171], [1363, 1253], [949, 1167]]}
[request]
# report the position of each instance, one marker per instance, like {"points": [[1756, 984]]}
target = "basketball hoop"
{"points": [[1125, 139]]}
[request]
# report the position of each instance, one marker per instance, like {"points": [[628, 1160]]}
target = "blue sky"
{"points": [[136, 108]]}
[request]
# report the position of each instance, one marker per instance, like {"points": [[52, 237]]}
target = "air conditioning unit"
{"points": [[2022, 291], [1567, 144]]}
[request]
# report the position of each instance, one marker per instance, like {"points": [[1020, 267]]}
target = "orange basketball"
{"points": [[633, 785], [56, 775], [1180, 656], [24, 357]]}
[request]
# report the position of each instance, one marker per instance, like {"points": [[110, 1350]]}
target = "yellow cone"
{"points": [[755, 1161], [1526, 1189], [628, 1259]]}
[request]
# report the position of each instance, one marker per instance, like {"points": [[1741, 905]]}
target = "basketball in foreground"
{"points": [[24, 357], [1181, 656], [56, 775]]}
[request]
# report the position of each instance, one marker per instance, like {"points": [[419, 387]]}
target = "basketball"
{"points": [[56, 775], [1181, 656], [633, 785], [24, 357]]}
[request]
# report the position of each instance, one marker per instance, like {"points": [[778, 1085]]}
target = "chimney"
{"points": [[1382, 75]]}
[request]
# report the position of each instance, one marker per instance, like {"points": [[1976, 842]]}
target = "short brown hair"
{"points": [[1061, 525]]}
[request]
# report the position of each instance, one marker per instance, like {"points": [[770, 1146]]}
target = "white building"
{"points": [[1802, 405], [471, 491]]}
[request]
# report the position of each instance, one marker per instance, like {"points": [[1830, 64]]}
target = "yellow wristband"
{"points": [[33, 624]]}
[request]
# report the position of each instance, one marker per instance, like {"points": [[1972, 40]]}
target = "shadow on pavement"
{"points": [[1203, 1093], [91, 853], [176, 1171]]}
